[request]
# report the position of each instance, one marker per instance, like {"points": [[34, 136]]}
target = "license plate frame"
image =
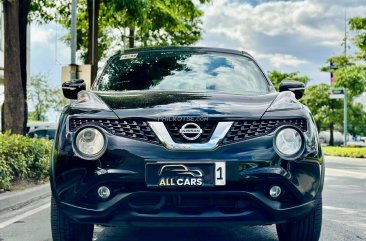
{"points": [[185, 174]]}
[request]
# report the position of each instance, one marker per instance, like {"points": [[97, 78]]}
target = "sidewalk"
{"points": [[17, 199]]}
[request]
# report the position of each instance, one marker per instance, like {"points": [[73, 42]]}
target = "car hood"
{"points": [[155, 104]]}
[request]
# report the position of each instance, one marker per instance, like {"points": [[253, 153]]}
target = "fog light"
{"points": [[275, 191], [104, 192]]}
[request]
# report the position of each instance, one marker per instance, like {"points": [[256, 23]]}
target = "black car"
{"points": [[186, 136]]}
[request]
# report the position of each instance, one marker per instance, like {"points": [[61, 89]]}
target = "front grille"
{"points": [[244, 130], [133, 129], [208, 127], [190, 203]]}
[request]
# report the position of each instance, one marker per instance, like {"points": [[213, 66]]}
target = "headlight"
{"points": [[90, 143], [288, 142]]}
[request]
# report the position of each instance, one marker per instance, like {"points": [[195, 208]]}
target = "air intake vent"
{"points": [[138, 130], [243, 130]]}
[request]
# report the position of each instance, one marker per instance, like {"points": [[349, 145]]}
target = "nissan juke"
{"points": [[185, 136]]}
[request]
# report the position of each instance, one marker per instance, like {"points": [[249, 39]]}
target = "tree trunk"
{"points": [[14, 106], [131, 37], [93, 59], [331, 124], [23, 27], [331, 136]]}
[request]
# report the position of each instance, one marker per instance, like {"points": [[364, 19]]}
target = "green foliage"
{"points": [[156, 22], [348, 73], [353, 78], [358, 24], [277, 77], [23, 158], [324, 109], [338, 61], [356, 152], [356, 119], [43, 97]]}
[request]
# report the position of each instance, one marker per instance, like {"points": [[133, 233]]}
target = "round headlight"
{"points": [[90, 142], [288, 142]]}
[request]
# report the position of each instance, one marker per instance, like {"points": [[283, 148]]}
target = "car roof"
{"points": [[43, 129], [185, 48]]}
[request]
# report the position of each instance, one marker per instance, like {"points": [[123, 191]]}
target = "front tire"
{"points": [[306, 229], [65, 229]]}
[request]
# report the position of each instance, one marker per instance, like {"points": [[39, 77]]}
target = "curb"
{"points": [[342, 159], [17, 199]]}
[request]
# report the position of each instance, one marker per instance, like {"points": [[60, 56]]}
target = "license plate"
{"points": [[173, 175]]}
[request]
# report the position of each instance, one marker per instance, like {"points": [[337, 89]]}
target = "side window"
{"points": [[51, 134], [40, 133]]}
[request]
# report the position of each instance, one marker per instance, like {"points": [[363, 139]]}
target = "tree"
{"points": [[277, 77], [15, 64], [357, 119], [358, 24], [353, 78], [148, 22], [326, 112], [348, 74], [43, 98]]}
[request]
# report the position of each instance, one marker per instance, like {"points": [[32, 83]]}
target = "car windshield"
{"points": [[183, 71]]}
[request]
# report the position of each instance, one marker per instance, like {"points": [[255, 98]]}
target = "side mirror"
{"points": [[71, 89], [296, 87]]}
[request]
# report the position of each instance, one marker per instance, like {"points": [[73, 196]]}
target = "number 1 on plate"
{"points": [[220, 174]]}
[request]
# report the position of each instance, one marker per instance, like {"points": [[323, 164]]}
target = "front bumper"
{"points": [[244, 201], [189, 208]]}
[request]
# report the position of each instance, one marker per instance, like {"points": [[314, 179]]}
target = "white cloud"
{"points": [[42, 35], [287, 35], [280, 61], [48, 54]]}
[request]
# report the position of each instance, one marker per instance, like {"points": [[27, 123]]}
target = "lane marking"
{"points": [[24, 215], [353, 174]]}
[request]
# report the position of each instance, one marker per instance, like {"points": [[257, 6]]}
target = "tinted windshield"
{"points": [[183, 70]]}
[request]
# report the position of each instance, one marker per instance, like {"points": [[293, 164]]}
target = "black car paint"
{"points": [[154, 104], [253, 164]]}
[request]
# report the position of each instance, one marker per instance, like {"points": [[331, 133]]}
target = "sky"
{"points": [[297, 35]]}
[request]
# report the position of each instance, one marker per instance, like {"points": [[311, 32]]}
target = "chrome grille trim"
{"points": [[217, 136]]}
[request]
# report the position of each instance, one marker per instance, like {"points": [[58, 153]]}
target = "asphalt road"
{"points": [[344, 216]]}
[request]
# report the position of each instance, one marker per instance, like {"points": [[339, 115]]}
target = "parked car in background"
{"points": [[42, 130], [39, 125], [48, 133], [324, 137]]}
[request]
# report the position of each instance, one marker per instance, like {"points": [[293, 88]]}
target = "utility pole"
{"points": [[93, 33], [345, 33], [73, 65], [340, 93], [345, 130], [345, 117]]}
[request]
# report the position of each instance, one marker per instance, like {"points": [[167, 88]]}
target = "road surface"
{"points": [[344, 219]]}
